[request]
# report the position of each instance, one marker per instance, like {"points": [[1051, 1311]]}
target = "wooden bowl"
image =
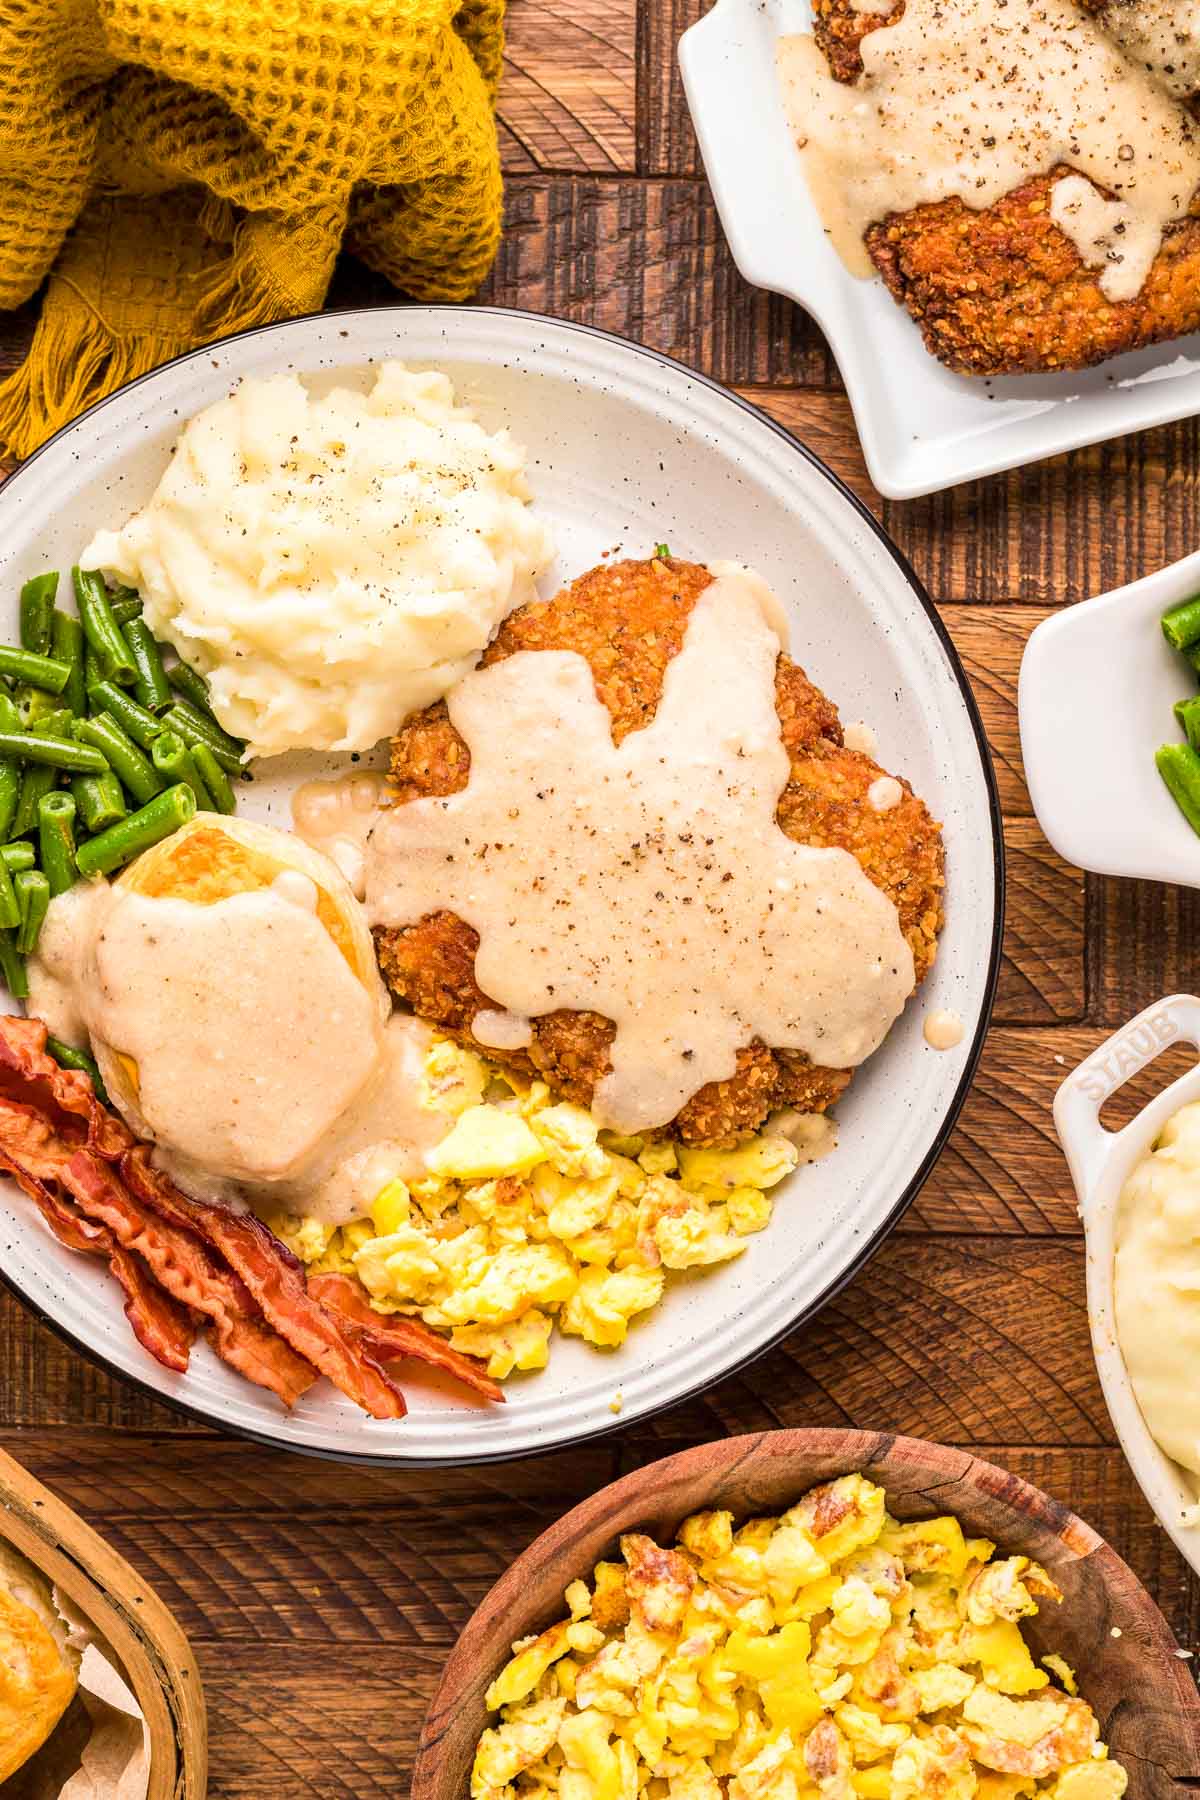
{"points": [[1108, 1628], [151, 1650]]}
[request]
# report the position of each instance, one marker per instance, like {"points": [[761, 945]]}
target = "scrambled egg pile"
{"points": [[530, 1216], [824, 1655]]}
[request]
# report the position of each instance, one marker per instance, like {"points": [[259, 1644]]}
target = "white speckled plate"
{"points": [[922, 428], [626, 449]]}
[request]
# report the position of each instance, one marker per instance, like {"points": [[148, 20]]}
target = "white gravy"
{"points": [[859, 736], [649, 881], [266, 1070], [973, 97], [943, 1029], [884, 793], [336, 817], [1162, 35]]}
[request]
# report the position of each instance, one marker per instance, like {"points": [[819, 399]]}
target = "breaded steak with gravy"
{"points": [[627, 620]]}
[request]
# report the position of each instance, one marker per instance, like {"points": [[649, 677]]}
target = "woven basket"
{"points": [[155, 1657]]}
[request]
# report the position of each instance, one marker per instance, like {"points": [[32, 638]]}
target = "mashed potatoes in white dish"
{"points": [[331, 563], [1156, 1279]]}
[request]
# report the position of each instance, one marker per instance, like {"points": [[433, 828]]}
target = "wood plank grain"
{"points": [[567, 97], [666, 141], [991, 641], [1042, 975], [1144, 937]]}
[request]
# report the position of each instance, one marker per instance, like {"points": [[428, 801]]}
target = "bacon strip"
{"points": [[34, 1157], [64, 1097], [183, 1264], [391, 1337], [276, 1280]]}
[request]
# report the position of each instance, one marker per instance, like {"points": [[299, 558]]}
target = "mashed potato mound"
{"points": [[332, 563]]}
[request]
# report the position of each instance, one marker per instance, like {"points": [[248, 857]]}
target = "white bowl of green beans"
{"points": [[1110, 728]]}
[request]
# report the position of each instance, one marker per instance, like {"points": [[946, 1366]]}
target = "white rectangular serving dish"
{"points": [[922, 428]]}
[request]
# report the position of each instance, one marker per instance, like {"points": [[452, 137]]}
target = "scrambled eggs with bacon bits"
{"points": [[824, 1655], [530, 1216]]}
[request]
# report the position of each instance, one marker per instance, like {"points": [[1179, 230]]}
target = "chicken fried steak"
{"points": [[628, 621]]}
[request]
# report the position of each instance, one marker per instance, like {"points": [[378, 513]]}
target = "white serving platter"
{"points": [[1097, 687], [922, 428], [626, 449]]}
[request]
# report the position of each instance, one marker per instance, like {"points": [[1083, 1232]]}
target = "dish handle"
{"points": [[1088, 1144]]}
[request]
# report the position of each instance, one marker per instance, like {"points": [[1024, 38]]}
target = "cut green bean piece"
{"points": [[10, 717], [56, 840], [118, 752], [140, 831], [68, 644], [141, 725], [1181, 624], [173, 760], [1188, 714], [33, 896], [125, 609], [101, 629], [99, 801], [34, 704], [150, 684], [37, 612], [68, 1057], [10, 795], [194, 729], [17, 857], [216, 734], [40, 776], [12, 967], [214, 778], [1179, 766], [54, 752], [38, 671], [191, 684], [10, 911]]}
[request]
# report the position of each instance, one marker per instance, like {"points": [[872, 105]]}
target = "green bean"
{"points": [[119, 752], [1181, 624], [142, 829], [99, 801], [56, 840], [12, 967], [1179, 766], [10, 794], [34, 704], [124, 610], [67, 642], [37, 612], [101, 629], [194, 729], [38, 671], [150, 683], [40, 778], [68, 1057], [173, 760], [10, 911], [17, 857], [33, 891], [10, 718], [91, 669], [52, 750], [214, 779], [1188, 714], [141, 725], [192, 685]]}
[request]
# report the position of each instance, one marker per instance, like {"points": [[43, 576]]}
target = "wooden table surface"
{"points": [[321, 1601]]}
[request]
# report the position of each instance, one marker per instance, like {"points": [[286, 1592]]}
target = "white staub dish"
{"points": [[1097, 687], [922, 428], [1101, 1162], [626, 449]]}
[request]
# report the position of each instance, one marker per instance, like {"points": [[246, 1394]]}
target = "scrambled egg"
{"points": [[531, 1217], [828, 1654]]}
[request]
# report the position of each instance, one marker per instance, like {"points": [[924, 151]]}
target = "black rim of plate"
{"points": [[398, 1459]]}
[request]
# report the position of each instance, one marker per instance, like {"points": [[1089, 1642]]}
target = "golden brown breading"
{"points": [[1003, 291], [628, 620]]}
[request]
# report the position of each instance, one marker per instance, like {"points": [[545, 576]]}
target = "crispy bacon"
{"points": [[393, 1338], [160, 1325], [185, 1266], [64, 1097], [276, 1280]]}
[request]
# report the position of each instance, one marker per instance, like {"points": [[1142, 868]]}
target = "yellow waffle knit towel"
{"points": [[186, 168]]}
